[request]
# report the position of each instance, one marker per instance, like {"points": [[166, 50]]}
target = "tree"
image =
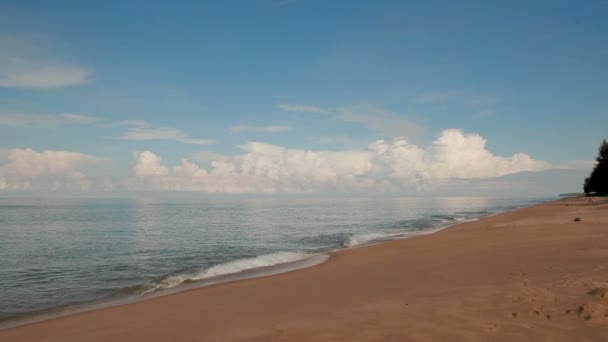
{"points": [[597, 182]]}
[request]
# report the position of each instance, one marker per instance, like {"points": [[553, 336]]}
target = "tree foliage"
{"points": [[597, 182]]}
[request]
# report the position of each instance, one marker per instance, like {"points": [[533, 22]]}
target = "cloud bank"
{"points": [[456, 163], [26, 169], [385, 166]]}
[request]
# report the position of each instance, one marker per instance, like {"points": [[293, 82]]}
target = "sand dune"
{"points": [[532, 274]]}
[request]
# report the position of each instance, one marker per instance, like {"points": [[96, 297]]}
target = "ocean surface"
{"points": [[58, 255]]}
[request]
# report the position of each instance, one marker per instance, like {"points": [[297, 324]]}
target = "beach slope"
{"points": [[531, 274]]}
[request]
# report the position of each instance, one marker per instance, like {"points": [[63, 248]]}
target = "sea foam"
{"points": [[231, 267], [360, 239], [430, 226]]}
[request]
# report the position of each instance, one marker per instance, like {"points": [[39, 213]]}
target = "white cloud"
{"points": [[453, 155], [43, 76], [456, 163], [43, 120], [264, 168], [303, 108], [393, 166], [26, 169], [141, 130], [148, 165], [269, 129]]}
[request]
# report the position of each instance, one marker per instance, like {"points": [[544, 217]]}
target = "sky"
{"points": [[301, 96]]}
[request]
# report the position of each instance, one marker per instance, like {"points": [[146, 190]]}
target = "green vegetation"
{"points": [[597, 182]]}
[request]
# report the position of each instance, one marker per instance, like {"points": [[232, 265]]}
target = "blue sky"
{"points": [[110, 79]]}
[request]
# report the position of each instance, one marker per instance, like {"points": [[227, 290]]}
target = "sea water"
{"points": [[62, 254]]}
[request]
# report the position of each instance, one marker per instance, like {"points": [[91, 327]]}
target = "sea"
{"points": [[59, 256]]}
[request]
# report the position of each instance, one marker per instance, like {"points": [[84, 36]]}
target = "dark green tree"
{"points": [[597, 182]]}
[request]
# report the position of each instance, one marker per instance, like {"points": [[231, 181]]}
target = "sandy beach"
{"points": [[533, 274]]}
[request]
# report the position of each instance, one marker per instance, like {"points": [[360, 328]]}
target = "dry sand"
{"points": [[529, 275]]}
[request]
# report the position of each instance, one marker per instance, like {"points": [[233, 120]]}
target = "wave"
{"points": [[420, 226], [409, 228], [360, 239], [466, 219], [231, 267], [443, 219]]}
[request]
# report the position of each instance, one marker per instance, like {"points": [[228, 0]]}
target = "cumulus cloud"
{"points": [[268, 129], [386, 166], [453, 155], [141, 130], [26, 169], [149, 165], [455, 161], [209, 156], [263, 168]]}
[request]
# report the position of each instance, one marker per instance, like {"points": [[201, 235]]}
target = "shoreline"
{"points": [[311, 260], [367, 264], [260, 272]]}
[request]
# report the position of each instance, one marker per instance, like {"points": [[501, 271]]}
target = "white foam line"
{"points": [[258, 266]]}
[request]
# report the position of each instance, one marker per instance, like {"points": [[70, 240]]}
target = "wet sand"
{"points": [[532, 274]]}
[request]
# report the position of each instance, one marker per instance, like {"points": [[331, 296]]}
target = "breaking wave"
{"points": [[231, 267], [361, 239]]}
